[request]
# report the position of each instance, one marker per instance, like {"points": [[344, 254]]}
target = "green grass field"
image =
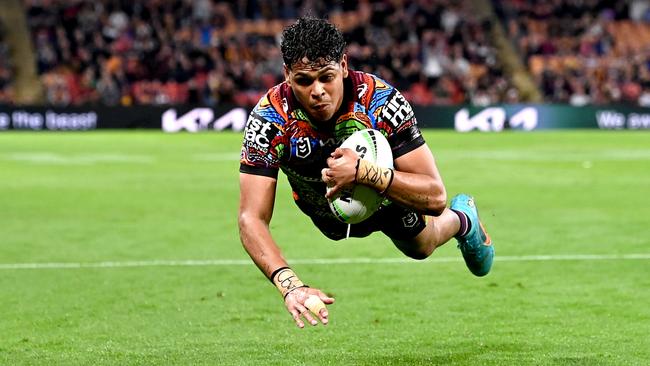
{"points": [[569, 213]]}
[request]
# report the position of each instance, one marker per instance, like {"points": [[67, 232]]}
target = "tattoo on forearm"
{"points": [[374, 175]]}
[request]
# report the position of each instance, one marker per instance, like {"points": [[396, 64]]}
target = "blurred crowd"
{"points": [[435, 52], [124, 52], [6, 70], [129, 52], [583, 51]]}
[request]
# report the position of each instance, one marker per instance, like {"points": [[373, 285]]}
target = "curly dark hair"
{"points": [[317, 39]]}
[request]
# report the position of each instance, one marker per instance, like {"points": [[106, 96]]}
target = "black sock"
{"points": [[465, 224]]}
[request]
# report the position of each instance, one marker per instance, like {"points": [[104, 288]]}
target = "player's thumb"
{"points": [[324, 298], [337, 153]]}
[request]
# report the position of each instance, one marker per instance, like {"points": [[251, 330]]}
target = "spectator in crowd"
{"points": [[208, 52], [123, 52], [581, 52], [6, 71]]}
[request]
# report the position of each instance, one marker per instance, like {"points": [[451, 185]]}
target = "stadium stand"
{"points": [[147, 52], [443, 56], [144, 52], [583, 52], [6, 70], [160, 52]]}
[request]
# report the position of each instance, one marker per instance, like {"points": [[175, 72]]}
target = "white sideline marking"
{"points": [[327, 261], [542, 156], [217, 157], [78, 159]]}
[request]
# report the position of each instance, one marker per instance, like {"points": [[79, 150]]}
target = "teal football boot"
{"points": [[476, 245]]}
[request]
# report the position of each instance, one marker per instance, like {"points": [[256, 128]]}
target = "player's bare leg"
{"points": [[461, 220]]}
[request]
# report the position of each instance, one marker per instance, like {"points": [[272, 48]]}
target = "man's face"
{"points": [[318, 86]]}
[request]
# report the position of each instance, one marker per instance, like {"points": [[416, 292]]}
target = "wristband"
{"points": [[286, 280], [373, 175]]}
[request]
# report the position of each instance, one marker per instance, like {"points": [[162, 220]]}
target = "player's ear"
{"points": [[286, 75], [344, 65]]}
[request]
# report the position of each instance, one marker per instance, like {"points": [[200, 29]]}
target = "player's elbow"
{"points": [[247, 230], [436, 207], [242, 221], [437, 202], [247, 222]]}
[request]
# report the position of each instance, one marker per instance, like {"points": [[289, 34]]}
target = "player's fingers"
{"points": [[331, 161], [316, 306], [305, 313], [323, 174], [323, 315], [332, 191], [296, 317]]}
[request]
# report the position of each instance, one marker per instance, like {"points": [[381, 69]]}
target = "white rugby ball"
{"points": [[358, 203]]}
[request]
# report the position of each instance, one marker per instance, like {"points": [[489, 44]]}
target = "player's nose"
{"points": [[318, 90]]}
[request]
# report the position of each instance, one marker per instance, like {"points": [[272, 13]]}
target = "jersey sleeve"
{"points": [[394, 116], [262, 145]]}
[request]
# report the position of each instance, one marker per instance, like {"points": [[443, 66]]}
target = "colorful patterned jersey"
{"points": [[279, 135]]}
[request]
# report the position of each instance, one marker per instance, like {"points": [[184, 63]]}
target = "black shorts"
{"points": [[393, 220]]}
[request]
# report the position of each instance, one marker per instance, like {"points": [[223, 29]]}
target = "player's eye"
{"points": [[326, 78], [303, 81]]}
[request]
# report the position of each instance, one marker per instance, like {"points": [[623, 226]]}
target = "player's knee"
{"points": [[420, 254], [414, 250]]}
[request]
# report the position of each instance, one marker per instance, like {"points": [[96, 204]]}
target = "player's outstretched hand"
{"points": [[341, 171], [305, 302]]}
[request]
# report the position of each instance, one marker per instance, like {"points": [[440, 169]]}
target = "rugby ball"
{"points": [[359, 202]]}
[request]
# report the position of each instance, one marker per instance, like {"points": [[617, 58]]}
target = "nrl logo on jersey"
{"points": [[303, 147]]}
